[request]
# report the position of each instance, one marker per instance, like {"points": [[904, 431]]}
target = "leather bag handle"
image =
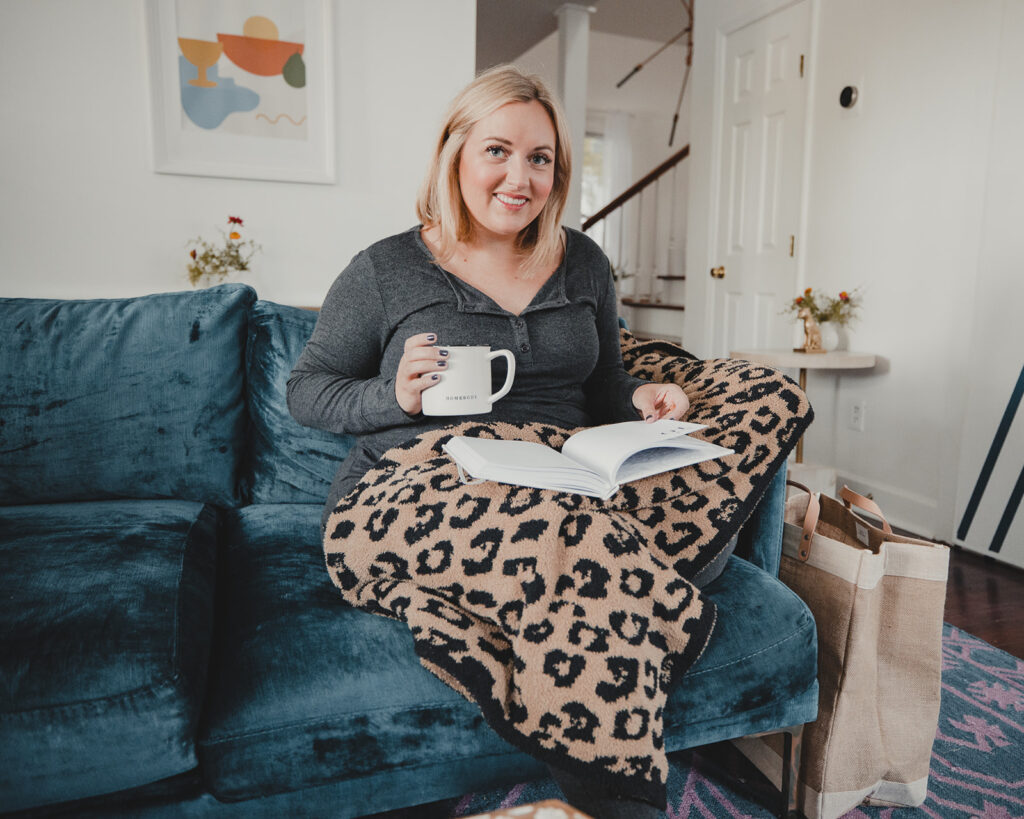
{"points": [[851, 498], [810, 521]]}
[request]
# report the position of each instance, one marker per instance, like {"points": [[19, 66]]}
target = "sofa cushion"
{"points": [[305, 690], [289, 463], [123, 398], [105, 623]]}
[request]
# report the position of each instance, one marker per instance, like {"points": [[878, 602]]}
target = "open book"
{"points": [[595, 461]]}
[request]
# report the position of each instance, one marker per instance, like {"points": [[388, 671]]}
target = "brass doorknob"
{"points": [[717, 272]]}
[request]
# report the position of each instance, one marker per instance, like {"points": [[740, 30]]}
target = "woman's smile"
{"points": [[510, 201]]}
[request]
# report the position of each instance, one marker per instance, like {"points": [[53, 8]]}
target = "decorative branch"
{"points": [[688, 31], [640, 65]]}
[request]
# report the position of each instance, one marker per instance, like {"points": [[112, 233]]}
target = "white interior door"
{"points": [[764, 101]]}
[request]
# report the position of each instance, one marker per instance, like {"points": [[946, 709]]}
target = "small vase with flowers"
{"points": [[822, 316]]}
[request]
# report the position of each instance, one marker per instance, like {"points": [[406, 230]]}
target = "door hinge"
{"points": [[801, 65], [792, 244]]}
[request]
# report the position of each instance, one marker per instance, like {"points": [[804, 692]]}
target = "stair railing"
{"points": [[646, 262]]}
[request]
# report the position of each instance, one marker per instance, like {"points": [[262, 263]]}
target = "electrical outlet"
{"points": [[858, 410]]}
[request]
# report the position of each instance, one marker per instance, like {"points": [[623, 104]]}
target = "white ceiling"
{"points": [[507, 28]]}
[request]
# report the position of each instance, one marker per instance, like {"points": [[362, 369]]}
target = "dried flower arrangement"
{"points": [[216, 263], [841, 309]]}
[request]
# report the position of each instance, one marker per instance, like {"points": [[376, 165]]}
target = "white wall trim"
{"points": [[907, 510]]}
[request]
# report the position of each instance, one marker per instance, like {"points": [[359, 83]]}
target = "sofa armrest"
{"points": [[760, 539]]}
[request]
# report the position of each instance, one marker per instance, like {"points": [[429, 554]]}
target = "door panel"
{"points": [[740, 185], [772, 157]]}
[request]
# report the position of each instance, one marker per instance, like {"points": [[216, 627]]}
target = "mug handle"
{"points": [[508, 378]]}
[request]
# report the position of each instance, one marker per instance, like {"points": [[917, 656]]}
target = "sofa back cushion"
{"points": [[123, 398], [289, 463]]}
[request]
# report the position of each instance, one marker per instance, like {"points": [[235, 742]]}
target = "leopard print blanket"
{"points": [[563, 617]]}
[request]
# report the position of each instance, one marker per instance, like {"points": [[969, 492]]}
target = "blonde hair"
{"points": [[440, 202]]}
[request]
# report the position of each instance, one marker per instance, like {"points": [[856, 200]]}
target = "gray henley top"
{"points": [[566, 345]]}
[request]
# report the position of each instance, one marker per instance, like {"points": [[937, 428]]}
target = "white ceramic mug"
{"points": [[465, 385]]}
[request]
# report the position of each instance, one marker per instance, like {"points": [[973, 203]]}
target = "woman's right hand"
{"points": [[419, 368]]}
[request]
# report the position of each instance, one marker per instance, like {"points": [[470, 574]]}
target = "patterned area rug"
{"points": [[977, 765]]}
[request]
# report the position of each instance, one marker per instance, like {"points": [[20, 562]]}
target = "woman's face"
{"points": [[507, 169]]}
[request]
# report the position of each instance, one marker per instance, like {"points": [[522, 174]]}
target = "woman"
{"points": [[490, 265]]}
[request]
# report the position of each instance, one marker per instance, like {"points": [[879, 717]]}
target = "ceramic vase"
{"points": [[829, 336]]}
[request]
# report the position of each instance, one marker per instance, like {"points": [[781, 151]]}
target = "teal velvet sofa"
{"points": [[170, 643]]}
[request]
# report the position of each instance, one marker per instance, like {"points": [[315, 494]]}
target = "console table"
{"points": [[783, 359]]}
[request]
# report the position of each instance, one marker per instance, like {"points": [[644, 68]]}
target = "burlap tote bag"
{"points": [[877, 598]]}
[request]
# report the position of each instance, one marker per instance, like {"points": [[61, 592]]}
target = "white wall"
{"points": [[83, 215], [896, 197], [996, 349], [893, 205]]}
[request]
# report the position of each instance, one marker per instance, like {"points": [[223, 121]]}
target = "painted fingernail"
{"points": [[434, 377], [431, 337], [442, 363], [443, 352], [648, 418]]}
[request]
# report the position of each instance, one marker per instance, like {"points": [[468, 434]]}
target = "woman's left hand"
{"points": [[657, 401]]}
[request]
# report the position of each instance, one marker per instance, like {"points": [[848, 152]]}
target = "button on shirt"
{"points": [[566, 345]]}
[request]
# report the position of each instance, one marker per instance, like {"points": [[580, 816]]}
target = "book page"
{"points": [[525, 463], [661, 459], [604, 449]]}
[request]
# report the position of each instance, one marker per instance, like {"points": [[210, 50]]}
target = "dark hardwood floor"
{"points": [[986, 598]]}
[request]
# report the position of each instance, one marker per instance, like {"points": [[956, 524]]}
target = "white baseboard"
{"points": [[907, 510], [814, 477]]}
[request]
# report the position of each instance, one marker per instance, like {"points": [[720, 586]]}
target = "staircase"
{"points": [[642, 233]]}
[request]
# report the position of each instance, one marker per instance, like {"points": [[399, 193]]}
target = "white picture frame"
{"points": [[263, 121]]}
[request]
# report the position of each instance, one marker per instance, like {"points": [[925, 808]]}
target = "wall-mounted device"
{"points": [[848, 96]]}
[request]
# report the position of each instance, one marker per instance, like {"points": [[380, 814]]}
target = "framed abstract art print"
{"points": [[242, 88]]}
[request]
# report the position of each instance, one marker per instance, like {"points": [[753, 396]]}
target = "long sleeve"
{"points": [[609, 389], [336, 384]]}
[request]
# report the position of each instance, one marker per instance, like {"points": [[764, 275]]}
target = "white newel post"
{"points": [[573, 51]]}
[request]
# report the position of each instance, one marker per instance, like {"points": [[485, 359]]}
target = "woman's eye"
{"points": [[495, 151], [541, 159]]}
